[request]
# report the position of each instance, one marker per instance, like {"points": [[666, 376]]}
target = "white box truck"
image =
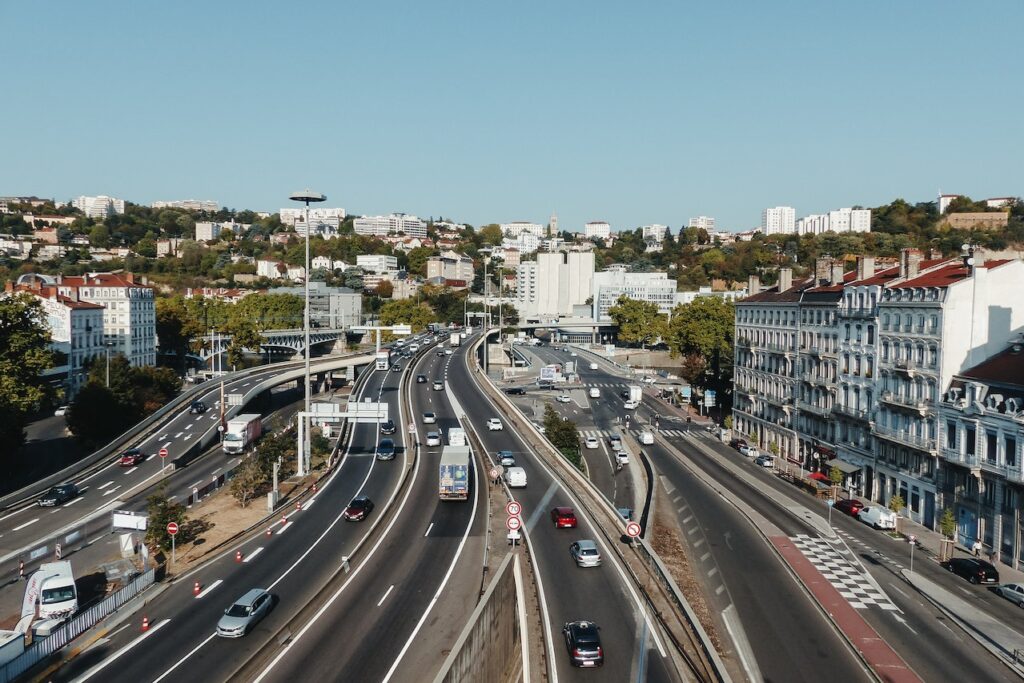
{"points": [[457, 436], [454, 339], [242, 431], [383, 359], [58, 597], [453, 473]]}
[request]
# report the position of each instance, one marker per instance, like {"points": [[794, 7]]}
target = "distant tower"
{"points": [[553, 225]]}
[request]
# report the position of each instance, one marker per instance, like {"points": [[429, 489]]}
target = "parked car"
{"points": [[421, 379], [591, 442], [388, 427], [494, 425], [563, 518], [515, 391], [878, 517], [61, 411], [737, 443], [244, 613], [765, 461], [131, 458], [358, 509], [1014, 592], [386, 449], [438, 385], [749, 451], [973, 569], [197, 408], [585, 553], [540, 428], [433, 438], [563, 398], [429, 418], [583, 643], [506, 458], [850, 506], [57, 495], [648, 379]]}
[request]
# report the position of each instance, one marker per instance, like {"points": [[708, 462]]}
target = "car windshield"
{"points": [[358, 504], [59, 594], [238, 610], [588, 551]]}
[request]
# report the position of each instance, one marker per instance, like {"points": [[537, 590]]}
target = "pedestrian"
{"points": [[976, 548]]}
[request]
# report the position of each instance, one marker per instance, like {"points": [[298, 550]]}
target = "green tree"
{"points": [[835, 475], [638, 321], [704, 329], [95, 414], [99, 236], [24, 355], [244, 336], [176, 329], [162, 511], [947, 525], [249, 480], [896, 504], [490, 234], [407, 311], [417, 264]]}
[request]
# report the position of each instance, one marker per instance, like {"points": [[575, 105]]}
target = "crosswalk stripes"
{"points": [[850, 579], [605, 433]]}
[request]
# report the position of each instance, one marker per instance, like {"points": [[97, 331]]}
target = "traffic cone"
{"points": [[238, 556], [270, 531], [196, 589], [145, 623], [298, 505], [284, 520], [314, 487]]}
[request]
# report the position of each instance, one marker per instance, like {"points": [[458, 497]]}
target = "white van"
{"points": [[646, 437], [593, 366], [515, 477], [58, 598], [595, 392]]}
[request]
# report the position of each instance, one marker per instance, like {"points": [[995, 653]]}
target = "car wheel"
{"points": [[949, 568], [973, 579], [1021, 604]]}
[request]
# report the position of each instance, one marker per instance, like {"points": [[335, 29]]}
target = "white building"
{"points": [[188, 204], [377, 263], [778, 220], [689, 297], [945, 200], [98, 207], [517, 228], [705, 222], [654, 232], [328, 227], [555, 283], [395, 223], [840, 220], [597, 230], [451, 266], [329, 307], [211, 230], [609, 285], [271, 269], [524, 243], [290, 215]]}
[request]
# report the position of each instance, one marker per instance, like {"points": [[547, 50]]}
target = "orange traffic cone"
{"points": [[196, 589], [314, 487], [284, 520], [298, 505], [270, 531], [238, 556], [145, 623]]}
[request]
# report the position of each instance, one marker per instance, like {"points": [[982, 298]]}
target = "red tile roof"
{"points": [[1006, 368], [772, 295], [946, 275], [100, 280]]}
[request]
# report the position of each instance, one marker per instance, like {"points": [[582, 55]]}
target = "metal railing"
{"points": [[813, 408], [907, 439], [850, 411], [906, 402]]}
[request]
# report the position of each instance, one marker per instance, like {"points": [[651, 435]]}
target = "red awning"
{"points": [[819, 476]]}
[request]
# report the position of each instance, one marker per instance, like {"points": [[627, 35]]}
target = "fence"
{"points": [[82, 622]]}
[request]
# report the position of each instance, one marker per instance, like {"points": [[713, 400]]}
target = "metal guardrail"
{"points": [[79, 624]]}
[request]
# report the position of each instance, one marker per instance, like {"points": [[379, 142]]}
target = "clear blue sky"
{"points": [[490, 112]]}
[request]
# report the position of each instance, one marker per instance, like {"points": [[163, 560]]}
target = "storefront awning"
{"points": [[844, 466]]}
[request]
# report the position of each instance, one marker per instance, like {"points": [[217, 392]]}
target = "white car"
{"points": [[878, 517], [646, 437], [540, 427], [429, 418], [749, 451], [494, 425], [593, 366], [562, 398], [647, 379], [433, 438], [591, 442], [595, 392], [447, 352], [631, 405], [622, 457], [61, 412], [765, 461], [1014, 592]]}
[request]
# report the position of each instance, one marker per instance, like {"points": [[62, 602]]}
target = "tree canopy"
{"points": [[24, 355], [639, 321]]}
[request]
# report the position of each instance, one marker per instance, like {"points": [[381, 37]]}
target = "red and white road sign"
{"points": [[514, 509], [163, 452], [172, 528], [632, 529], [513, 523]]}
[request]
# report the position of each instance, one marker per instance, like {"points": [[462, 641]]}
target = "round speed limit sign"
{"points": [[513, 523], [513, 508]]}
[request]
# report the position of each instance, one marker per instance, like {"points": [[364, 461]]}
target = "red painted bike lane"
{"points": [[882, 659]]}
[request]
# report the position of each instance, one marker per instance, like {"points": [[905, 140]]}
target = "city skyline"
{"points": [[551, 123]]}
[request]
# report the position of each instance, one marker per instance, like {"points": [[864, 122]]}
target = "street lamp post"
{"points": [[107, 347], [306, 196]]}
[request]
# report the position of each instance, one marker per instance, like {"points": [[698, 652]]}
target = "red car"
{"points": [[563, 518], [850, 506], [131, 458]]}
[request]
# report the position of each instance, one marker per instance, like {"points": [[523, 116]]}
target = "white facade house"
{"points": [[327, 228], [597, 230], [524, 243], [609, 285], [840, 220], [211, 230], [377, 263], [554, 283], [270, 269], [517, 228], [654, 233], [945, 200], [392, 224], [450, 266], [188, 204], [292, 215], [778, 220], [688, 297], [705, 222], [98, 207]]}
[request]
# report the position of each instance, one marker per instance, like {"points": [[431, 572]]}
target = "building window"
{"points": [[1010, 451], [990, 447], [969, 436]]}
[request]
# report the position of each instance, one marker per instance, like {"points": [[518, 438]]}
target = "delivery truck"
{"points": [[383, 359], [58, 598], [242, 431], [457, 436], [454, 473], [454, 339]]}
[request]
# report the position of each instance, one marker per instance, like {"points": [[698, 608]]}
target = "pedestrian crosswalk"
{"points": [[848, 577], [605, 433], [605, 385]]}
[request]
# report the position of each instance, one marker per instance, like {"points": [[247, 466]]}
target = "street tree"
{"points": [[407, 311], [162, 511], [638, 321], [24, 355], [490, 234], [244, 336], [704, 329]]}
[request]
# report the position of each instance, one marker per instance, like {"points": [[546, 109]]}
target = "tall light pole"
{"points": [[107, 346], [306, 196]]}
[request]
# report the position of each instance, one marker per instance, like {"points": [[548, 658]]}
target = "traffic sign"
{"points": [[830, 502], [632, 529], [494, 473], [163, 452], [513, 508], [412, 429], [513, 523], [172, 528]]}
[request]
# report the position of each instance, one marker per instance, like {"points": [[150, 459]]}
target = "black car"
{"points": [[421, 379], [973, 569], [516, 391], [386, 449], [583, 643], [197, 408], [358, 509], [57, 495], [387, 427]]}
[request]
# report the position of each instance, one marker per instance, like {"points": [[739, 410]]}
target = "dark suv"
{"points": [[387, 427], [583, 643], [57, 495], [973, 569], [197, 408], [515, 391]]}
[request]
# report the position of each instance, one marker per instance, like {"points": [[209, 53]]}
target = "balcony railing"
{"points": [[914, 405], [815, 378], [906, 438], [780, 348], [812, 408], [857, 313], [850, 411]]}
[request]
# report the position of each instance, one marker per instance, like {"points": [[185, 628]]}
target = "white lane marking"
{"points": [[284, 528], [189, 426], [193, 483], [29, 523], [109, 491], [309, 503], [187, 437], [182, 660], [210, 588], [129, 471], [103, 486], [161, 438], [178, 435], [428, 530], [217, 470], [72, 502], [386, 594], [253, 554], [107, 662], [150, 457]]}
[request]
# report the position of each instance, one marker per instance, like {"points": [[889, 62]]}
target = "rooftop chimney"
{"points": [[865, 267], [837, 273], [753, 285], [785, 279], [910, 263], [821, 269]]}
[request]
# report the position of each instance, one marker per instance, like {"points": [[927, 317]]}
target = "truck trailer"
{"points": [[454, 473], [242, 431], [454, 339]]}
